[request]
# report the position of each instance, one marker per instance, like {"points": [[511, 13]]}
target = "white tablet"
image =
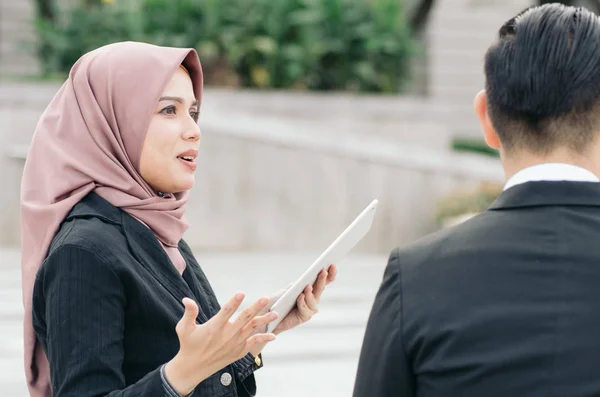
{"points": [[333, 254]]}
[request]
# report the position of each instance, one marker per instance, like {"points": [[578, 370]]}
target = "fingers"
{"points": [[257, 323], [311, 300], [304, 312], [319, 285], [249, 313], [332, 273], [223, 316], [190, 313], [258, 340], [188, 320]]}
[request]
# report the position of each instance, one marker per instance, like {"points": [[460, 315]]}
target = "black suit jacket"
{"points": [[105, 305], [505, 304]]}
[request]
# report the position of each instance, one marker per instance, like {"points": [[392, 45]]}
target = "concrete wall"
{"points": [[288, 171]]}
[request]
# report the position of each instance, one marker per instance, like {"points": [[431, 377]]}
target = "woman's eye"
{"points": [[195, 115], [170, 110]]}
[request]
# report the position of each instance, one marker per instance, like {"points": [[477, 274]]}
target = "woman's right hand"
{"points": [[207, 348]]}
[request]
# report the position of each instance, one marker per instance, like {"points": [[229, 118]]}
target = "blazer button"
{"points": [[226, 379]]}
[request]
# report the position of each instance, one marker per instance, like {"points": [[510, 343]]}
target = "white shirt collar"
{"points": [[551, 172]]}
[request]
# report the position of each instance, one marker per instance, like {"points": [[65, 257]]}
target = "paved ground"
{"points": [[318, 359]]}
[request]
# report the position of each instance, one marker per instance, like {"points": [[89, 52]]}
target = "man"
{"points": [[508, 303]]}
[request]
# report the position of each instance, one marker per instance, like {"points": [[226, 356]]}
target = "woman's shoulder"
{"points": [[100, 238], [92, 225], [83, 250]]}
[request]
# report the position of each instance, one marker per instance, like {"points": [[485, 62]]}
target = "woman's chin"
{"points": [[176, 185], [184, 184]]}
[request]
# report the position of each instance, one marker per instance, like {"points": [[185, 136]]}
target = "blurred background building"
{"points": [[311, 110]]}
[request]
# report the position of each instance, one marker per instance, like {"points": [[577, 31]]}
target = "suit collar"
{"points": [[142, 242], [149, 252], [95, 206], [549, 193]]}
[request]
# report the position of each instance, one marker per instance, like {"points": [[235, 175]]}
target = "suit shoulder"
{"points": [[90, 234], [431, 247]]}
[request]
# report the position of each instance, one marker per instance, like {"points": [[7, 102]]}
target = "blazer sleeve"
{"points": [[83, 310], [244, 375], [384, 368]]}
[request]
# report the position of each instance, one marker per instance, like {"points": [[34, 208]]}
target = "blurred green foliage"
{"points": [[470, 145], [354, 45]]}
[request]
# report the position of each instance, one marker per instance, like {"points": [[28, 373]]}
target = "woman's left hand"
{"points": [[307, 304]]}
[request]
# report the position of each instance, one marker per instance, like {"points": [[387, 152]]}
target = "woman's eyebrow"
{"points": [[176, 99]]}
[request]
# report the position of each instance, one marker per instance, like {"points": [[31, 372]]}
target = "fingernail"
{"points": [[272, 338], [239, 296], [274, 315]]}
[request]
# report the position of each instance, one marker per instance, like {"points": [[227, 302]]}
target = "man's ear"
{"points": [[481, 110]]}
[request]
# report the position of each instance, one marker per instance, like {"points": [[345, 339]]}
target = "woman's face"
{"points": [[168, 157]]}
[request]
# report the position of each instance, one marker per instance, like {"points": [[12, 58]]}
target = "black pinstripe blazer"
{"points": [[105, 304]]}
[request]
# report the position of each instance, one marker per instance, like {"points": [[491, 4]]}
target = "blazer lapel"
{"points": [[149, 252], [145, 247]]}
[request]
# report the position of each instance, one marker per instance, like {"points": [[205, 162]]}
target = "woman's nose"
{"points": [[192, 133]]}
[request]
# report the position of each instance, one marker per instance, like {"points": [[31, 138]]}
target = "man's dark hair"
{"points": [[543, 79]]}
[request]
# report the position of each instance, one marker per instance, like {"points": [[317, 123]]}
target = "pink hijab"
{"points": [[90, 139]]}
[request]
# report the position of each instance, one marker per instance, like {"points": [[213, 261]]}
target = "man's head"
{"points": [[543, 83]]}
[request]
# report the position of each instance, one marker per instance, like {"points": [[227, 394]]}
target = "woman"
{"points": [[116, 304]]}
